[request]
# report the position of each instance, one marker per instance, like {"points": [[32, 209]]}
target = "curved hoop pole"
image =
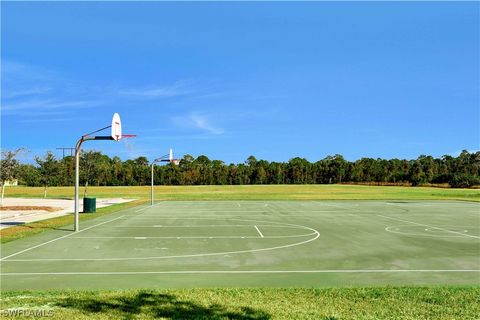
{"points": [[78, 147]]}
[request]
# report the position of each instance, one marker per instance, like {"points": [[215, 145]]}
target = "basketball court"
{"points": [[251, 243]]}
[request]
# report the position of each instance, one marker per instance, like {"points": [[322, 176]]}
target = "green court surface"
{"points": [[255, 243]]}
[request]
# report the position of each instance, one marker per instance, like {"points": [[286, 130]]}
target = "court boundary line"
{"points": [[388, 229], [73, 233], [147, 207], [59, 238], [247, 272], [426, 225]]}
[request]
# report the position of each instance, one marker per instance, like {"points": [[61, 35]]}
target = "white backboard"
{"points": [[116, 127]]}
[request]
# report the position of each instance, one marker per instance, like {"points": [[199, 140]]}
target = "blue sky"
{"points": [[276, 80]]}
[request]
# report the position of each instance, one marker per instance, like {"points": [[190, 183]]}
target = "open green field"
{"points": [[261, 192]]}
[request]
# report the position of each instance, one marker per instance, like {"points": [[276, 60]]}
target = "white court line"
{"points": [[212, 210], [144, 208], [200, 237], [142, 217], [148, 207], [220, 214], [188, 226], [315, 232], [426, 225], [258, 230], [59, 238], [206, 225], [242, 272], [423, 234]]}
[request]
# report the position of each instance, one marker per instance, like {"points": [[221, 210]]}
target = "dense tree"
{"points": [[8, 168], [98, 169], [29, 175], [49, 171]]}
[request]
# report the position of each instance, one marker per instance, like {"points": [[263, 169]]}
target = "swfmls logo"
{"points": [[27, 313]]}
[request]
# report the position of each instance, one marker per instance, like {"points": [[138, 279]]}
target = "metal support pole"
{"points": [[151, 190], [78, 147], [77, 180], [151, 178]]}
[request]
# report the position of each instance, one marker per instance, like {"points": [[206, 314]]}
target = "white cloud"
{"points": [[179, 88], [49, 119], [197, 121], [29, 90], [10, 94], [45, 105], [202, 122], [22, 72]]}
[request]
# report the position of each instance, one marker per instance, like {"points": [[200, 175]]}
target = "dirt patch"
{"points": [[21, 208]]}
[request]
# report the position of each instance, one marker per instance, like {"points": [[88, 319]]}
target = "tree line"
{"points": [[98, 169]]}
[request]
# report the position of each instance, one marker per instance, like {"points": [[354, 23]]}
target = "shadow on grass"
{"points": [[158, 305]]}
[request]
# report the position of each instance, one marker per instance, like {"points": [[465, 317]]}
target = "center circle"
{"points": [[226, 245]]}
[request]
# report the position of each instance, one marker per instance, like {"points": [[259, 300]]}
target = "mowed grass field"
{"points": [[391, 303], [266, 258], [260, 192]]}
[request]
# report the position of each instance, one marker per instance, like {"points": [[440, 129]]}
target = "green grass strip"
{"points": [[260, 192], [249, 303]]}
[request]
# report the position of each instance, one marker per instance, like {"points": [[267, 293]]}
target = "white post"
{"points": [[77, 180], [151, 188]]}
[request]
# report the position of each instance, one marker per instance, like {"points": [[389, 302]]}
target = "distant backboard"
{"points": [[116, 127]]}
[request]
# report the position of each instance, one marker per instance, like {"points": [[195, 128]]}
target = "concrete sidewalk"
{"points": [[9, 218]]}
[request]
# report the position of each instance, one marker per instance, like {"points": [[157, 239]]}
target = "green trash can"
{"points": [[89, 205]]}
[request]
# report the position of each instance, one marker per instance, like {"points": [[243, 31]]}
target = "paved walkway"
{"points": [[9, 218]]}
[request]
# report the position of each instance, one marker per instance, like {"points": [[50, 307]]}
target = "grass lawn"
{"points": [[260, 192], [250, 303]]}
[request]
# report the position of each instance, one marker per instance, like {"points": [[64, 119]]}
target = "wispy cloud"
{"points": [[203, 123], [45, 105], [175, 137], [49, 119], [10, 94], [198, 121], [31, 91], [179, 88], [21, 72]]}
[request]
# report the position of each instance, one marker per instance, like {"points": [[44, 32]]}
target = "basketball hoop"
{"points": [[116, 134], [116, 127], [126, 136]]}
